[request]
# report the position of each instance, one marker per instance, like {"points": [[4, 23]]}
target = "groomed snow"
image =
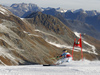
{"points": [[72, 68]]}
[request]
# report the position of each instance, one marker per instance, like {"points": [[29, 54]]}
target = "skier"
{"points": [[67, 57]]}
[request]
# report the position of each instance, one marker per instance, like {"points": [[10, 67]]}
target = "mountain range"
{"points": [[39, 37], [24, 8], [75, 24], [80, 20], [21, 8], [93, 20]]}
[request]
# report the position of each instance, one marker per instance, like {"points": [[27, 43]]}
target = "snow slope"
{"points": [[72, 68]]}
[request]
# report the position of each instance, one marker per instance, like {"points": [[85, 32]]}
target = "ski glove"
{"points": [[57, 56]]}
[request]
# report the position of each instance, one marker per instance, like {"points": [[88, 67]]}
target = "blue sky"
{"points": [[66, 4]]}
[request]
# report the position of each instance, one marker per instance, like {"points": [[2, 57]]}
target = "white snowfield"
{"points": [[73, 68]]}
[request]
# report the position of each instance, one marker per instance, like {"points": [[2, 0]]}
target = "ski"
{"points": [[53, 65]]}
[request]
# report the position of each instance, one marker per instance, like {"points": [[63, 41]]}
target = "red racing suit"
{"points": [[66, 55]]}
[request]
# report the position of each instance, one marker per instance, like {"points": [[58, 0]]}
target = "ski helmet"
{"points": [[65, 50]]}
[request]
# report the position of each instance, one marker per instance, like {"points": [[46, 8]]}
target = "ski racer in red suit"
{"points": [[66, 57]]}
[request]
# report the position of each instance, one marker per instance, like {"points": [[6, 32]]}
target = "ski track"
{"points": [[66, 46], [72, 68], [92, 46]]}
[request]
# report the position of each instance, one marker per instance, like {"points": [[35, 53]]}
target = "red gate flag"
{"points": [[78, 44]]}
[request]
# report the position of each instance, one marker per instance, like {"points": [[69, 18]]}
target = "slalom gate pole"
{"points": [[81, 48], [73, 49], [81, 54], [72, 53]]}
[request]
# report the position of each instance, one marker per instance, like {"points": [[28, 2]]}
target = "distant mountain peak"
{"points": [[79, 10], [20, 9], [24, 5], [59, 9]]}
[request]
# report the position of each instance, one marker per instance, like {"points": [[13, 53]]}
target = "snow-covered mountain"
{"points": [[89, 17], [88, 12], [48, 8], [92, 13], [27, 41], [75, 21], [61, 10], [57, 9], [18, 46], [22, 8], [77, 18], [79, 10]]}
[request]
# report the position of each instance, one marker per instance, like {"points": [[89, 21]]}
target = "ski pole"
{"points": [[53, 58]]}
